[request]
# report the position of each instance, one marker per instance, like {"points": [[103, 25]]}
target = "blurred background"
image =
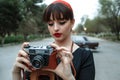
{"points": [[21, 20]]}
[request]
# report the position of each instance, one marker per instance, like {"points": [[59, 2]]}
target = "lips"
{"points": [[57, 34]]}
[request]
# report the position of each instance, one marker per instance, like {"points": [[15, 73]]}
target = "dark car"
{"points": [[84, 42]]}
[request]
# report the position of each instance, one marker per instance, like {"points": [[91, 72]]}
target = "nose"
{"points": [[56, 26]]}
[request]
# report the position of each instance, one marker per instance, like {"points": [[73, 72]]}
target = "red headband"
{"points": [[63, 2]]}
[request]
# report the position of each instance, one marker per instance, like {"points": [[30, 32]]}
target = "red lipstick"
{"points": [[57, 34]]}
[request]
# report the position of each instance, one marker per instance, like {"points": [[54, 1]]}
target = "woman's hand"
{"points": [[64, 68], [22, 60]]}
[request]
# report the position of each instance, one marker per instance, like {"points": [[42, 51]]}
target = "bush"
{"points": [[20, 38], [14, 39]]}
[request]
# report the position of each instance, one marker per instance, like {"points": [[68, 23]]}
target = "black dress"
{"points": [[84, 64]]}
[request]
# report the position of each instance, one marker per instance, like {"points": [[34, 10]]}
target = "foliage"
{"points": [[92, 26], [79, 28], [9, 16], [15, 39], [21, 17], [95, 26], [32, 18], [20, 38], [110, 12]]}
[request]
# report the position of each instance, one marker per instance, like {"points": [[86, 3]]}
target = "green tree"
{"points": [[9, 17], [32, 18], [110, 12], [95, 26]]}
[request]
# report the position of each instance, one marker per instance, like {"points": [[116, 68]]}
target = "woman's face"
{"points": [[60, 29]]}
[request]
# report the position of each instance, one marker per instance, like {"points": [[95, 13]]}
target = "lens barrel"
{"points": [[38, 62]]}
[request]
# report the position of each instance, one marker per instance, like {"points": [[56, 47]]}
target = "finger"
{"points": [[23, 54], [59, 49], [64, 48], [54, 45], [64, 52], [22, 66], [66, 57], [68, 54], [23, 60], [25, 44]]}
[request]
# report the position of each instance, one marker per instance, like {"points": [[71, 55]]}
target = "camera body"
{"points": [[39, 55]]}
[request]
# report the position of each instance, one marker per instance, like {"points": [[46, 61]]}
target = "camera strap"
{"points": [[73, 68]]}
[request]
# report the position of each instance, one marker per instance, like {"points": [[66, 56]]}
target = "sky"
{"points": [[81, 8]]}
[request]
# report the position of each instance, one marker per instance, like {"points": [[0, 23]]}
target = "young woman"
{"points": [[75, 63]]}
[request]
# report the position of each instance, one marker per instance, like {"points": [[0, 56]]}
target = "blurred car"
{"points": [[84, 42]]}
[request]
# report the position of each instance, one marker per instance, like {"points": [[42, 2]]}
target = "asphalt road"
{"points": [[107, 59]]}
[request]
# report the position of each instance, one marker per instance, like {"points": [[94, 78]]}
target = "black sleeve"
{"points": [[87, 67]]}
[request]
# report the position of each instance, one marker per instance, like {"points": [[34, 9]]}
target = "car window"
{"points": [[85, 38], [78, 38]]}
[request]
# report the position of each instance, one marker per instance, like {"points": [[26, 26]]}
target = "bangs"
{"points": [[57, 11]]}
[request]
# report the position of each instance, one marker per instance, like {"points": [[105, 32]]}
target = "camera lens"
{"points": [[38, 62]]}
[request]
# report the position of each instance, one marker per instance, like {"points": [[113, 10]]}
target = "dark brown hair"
{"points": [[56, 9]]}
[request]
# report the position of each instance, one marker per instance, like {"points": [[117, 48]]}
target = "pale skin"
{"points": [[61, 44]]}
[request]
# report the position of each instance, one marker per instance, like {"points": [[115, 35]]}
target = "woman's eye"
{"points": [[62, 23], [50, 24]]}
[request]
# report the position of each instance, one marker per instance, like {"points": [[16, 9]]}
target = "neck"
{"points": [[66, 42]]}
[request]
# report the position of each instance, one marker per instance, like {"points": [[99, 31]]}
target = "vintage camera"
{"points": [[39, 55]]}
